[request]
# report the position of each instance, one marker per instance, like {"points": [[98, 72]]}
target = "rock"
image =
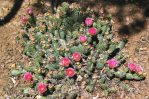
{"points": [[79, 78]]}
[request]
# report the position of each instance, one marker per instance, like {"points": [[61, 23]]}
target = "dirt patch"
{"points": [[138, 50], [129, 19], [9, 50]]}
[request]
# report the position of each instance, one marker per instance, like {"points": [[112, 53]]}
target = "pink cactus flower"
{"points": [[42, 87], [24, 19], [139, 69], [65, 61], [30, 11], [89, 21], [112, 63], [132, 66], [28, 76], [76, 56], [135, 68], [70, 72], [92, 31], [83, 39]]}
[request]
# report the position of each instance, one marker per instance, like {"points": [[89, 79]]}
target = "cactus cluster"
{"points": [[71, 51]]}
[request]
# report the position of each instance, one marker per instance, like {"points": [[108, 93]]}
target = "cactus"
{"points": [[17, 72], [120, 74], [134, 76], [90, 86], [100, 65], [59, 75], [50, 45], [72, 95], [110, 73]]}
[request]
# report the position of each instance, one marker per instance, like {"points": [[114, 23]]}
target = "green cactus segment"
{"points": [[121, 45], [39, 76], [104, 29], [30, 69], [72, 95], [78, 48], [134, 76], [64, 7], [52, 66], [38, 59], [104, 86], [38, 37], [112, 47], [90, 87], [32, 20], [100, 65], [17, 72], [75, 34], [101, 47], [109, 90], [59, 75], [90, 66], [102, 79], [120, 74], [62, 35], [110, 73], [30, 50]]}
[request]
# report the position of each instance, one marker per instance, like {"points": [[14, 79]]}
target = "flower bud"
{"points": [[27, 76]]}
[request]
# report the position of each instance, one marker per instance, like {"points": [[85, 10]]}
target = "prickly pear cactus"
{"points": [[72, 51]]}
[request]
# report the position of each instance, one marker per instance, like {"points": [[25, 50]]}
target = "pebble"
{"points": [[79, 78]]}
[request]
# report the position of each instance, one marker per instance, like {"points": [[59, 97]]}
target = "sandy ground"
{"points": [[137, 47]]}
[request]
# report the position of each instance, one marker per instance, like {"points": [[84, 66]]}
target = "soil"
{"points": [[129, 19]]}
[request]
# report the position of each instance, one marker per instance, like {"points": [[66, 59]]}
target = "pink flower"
{"points": [[27, 76], [89, 21], [24, 19], [132, 66], [70, 72], [76, 56], [42, 87], [135, 68], [30, 11], [83, 38], [139, 69], [65, 61], [112, 63], [92, 31]]}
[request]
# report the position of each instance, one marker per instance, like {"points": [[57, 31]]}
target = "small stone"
{"points": [[79, 78], [122, 95], [96, 97], [86, 76], [13, 80], [142, 49], [38, 97], [13, 66], [146, 97], [95, 76], [83, 85]]}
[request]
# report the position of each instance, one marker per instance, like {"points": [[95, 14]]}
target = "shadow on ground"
{"points": [[121, 13], [124, 9], [12, 13]]}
